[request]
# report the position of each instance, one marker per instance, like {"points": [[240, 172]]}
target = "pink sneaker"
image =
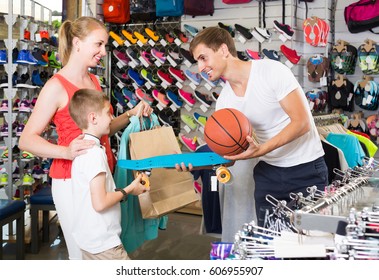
{"points": [[161, 98], [253, 55], [160, 56], [187, 97], [190, 143], [142, 95]]}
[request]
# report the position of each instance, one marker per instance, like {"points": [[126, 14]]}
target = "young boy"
{"points": [[96, 227]]}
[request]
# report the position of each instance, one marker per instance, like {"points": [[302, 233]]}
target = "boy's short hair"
{"points": [[213, 37], [83, 102]]}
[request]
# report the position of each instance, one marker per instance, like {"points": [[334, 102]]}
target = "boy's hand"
{"points": [[135, 187]]}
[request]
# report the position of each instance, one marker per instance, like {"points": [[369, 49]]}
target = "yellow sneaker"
{"points": [[129, 36], [117, 38], [140, 37], [151, 34]]}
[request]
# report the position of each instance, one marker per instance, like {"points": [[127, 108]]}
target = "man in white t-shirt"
{"points": [[289, 151], [97, 223]]}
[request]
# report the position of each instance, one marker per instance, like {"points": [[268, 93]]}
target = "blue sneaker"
{"points": [[36, 79], [206, 78], [193, 77], [191, 29], [3, 57], [25, 57], [119, 97], [130, 96], [135, 77], [174, 99], [150, 78]]}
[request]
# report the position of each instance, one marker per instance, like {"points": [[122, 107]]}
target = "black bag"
{"points": [[199, 8]]}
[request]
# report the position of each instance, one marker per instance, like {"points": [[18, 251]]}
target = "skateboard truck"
{"points": [[145, 177]]}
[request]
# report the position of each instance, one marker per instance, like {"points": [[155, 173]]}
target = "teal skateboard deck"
{"points": [[169, 161]]}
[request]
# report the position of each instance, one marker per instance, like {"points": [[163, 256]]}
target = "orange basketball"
{"points": [[226, 130]]}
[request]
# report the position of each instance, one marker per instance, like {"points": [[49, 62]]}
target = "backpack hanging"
{"points": [[169, 8], [116, 11], [199, 8], [362, 16]]}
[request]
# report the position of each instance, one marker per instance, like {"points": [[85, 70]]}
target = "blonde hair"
{"points": [[81, 28], [213, 37], [83, 102]]}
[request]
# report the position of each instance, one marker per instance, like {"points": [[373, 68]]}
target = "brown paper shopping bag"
{"points": [[169, 189]]}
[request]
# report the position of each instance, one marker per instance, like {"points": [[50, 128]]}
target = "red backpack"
{"points": [[116, 11]]}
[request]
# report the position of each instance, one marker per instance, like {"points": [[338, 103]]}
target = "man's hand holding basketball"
{"points": [[253, 151]]}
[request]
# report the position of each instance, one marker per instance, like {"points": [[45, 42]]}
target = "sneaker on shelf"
{"points": [[26, 35], [215, 95], [167, 117], [36, 79], [20, 129], [284, 29], [45, 37], [190, 143], [160, 56], [4, 154], [176, 57], [116, 37], [3, 179], [119, 97], [182, 37], [149, 77], [129, 36], [161, 98], [271, 54], [33, 103], [4, 130], [227, 28], [45, 165], [147, 57], [195, 78], [3, 57], [26, 156], [245, 32], [140, 37], [133, 56], [206, 78], [53, 60], [25, 57], [121, 57], [4, 105], [134, 75], [151, 33], [23, 81], [165, 77], [200, 118], [187, 55], [142, 95], [174, 99], [37, 172], [130, 96], [27, 180], [243, 56], [189, 120], [253, 55], [290, 54], [191, 29], [41, 57], [187, 97], [24, 106], [121, 77], [261, 34], [177, 74], [204, 99], [166, 35]]}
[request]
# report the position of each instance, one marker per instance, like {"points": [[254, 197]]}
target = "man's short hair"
{"points": [[213, 37]]}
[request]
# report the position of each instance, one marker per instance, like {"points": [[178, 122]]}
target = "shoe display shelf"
{"points": [[140, 58], [29, 48]]}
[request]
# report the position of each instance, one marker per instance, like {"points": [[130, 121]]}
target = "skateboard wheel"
{"points": [[223, 174], [145, 179]]}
